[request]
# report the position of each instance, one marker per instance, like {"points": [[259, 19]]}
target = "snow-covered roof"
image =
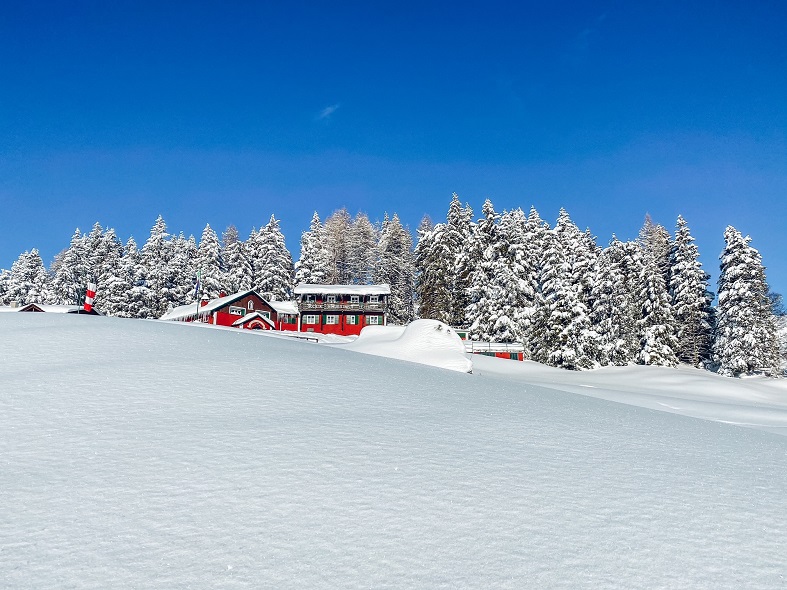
{"points": [[8, 308], [51, 308], [312, 289], [288, 307], [254, 316], [190, 309]]}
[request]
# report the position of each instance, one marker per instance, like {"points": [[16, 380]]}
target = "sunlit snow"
{"points": [[149, 454]]}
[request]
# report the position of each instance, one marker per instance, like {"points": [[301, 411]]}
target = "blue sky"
{"points": [[224, 113]]}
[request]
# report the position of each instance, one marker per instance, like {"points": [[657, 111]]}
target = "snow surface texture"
{"points": [[422, 341], [139, 454], [756, 402]]}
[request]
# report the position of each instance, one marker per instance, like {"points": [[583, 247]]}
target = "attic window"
{"points": [[374, 298], [251, 306], [331, 299], [353, 298]]}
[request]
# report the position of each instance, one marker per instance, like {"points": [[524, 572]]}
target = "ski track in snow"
{"points": [[142, 454]]}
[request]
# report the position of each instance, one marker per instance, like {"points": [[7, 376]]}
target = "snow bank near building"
{"points": [[428, 342]]}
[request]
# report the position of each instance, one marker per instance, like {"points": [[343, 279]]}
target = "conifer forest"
{"points": [[505, 277]]}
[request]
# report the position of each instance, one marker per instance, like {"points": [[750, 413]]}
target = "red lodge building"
{"points": [[325, 309], [341, 309], [246, 309]]}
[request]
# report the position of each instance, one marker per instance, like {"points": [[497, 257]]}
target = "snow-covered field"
{"points": [[146, 454]]}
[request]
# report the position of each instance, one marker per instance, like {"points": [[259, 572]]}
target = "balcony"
{"points": [[339, 306]]}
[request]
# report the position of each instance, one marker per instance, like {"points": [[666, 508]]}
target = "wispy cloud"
{"points": [[327, 112]]}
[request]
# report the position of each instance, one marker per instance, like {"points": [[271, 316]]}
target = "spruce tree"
{"points": [[29, 280], [612, 314], [71, 272], [273, 263], [485, 309], [656, 323], [432, 275], [210, 264], [691, 299], [395, 267], [561, 327], [314, 265], [745, 339]]}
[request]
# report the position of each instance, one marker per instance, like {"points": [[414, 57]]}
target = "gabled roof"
{"points": [[50, 308], [254, 316], [191, 309], [313, 289]]}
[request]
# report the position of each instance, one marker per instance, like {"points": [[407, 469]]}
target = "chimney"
{"points": [[203, 302]]}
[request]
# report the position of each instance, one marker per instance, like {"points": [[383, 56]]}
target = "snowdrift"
{"points": [[428, 342], [756, 403], [144, 454]]}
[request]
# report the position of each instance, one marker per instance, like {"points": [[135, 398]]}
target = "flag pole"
{"points": [[196, 293]]}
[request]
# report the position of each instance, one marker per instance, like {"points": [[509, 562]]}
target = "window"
{"points": [[332, 320], [352, 320], [251, 306], [374, 298], [331, 299], [237, 310], [354, 299], [311, 319], [373, 320], [310, 299], [266, 314]]}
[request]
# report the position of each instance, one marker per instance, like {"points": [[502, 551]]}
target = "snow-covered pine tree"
{"points": [[315, 262], [395, 267], [691, 299], [96, 249], [520, 280], [157, 280], [612, 314], [632, 261], [656, 323], [484, 293], [561, 327], [107, 254], [337, 235], [230, 236], [273, 269], [362, 250], [239, 272], [113, 284], [136, 301], [745, 339], [5, 280], [431, 290], [656, 243], [29, 280], [210, 263], [71, 272], [579, 253], [459, 240], [185, 255]]}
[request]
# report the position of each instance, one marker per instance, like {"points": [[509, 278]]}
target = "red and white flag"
{"points": [[90, 296]]}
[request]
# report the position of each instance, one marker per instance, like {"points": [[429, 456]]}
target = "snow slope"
{"points": [[757, 403], [140, 454]]}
